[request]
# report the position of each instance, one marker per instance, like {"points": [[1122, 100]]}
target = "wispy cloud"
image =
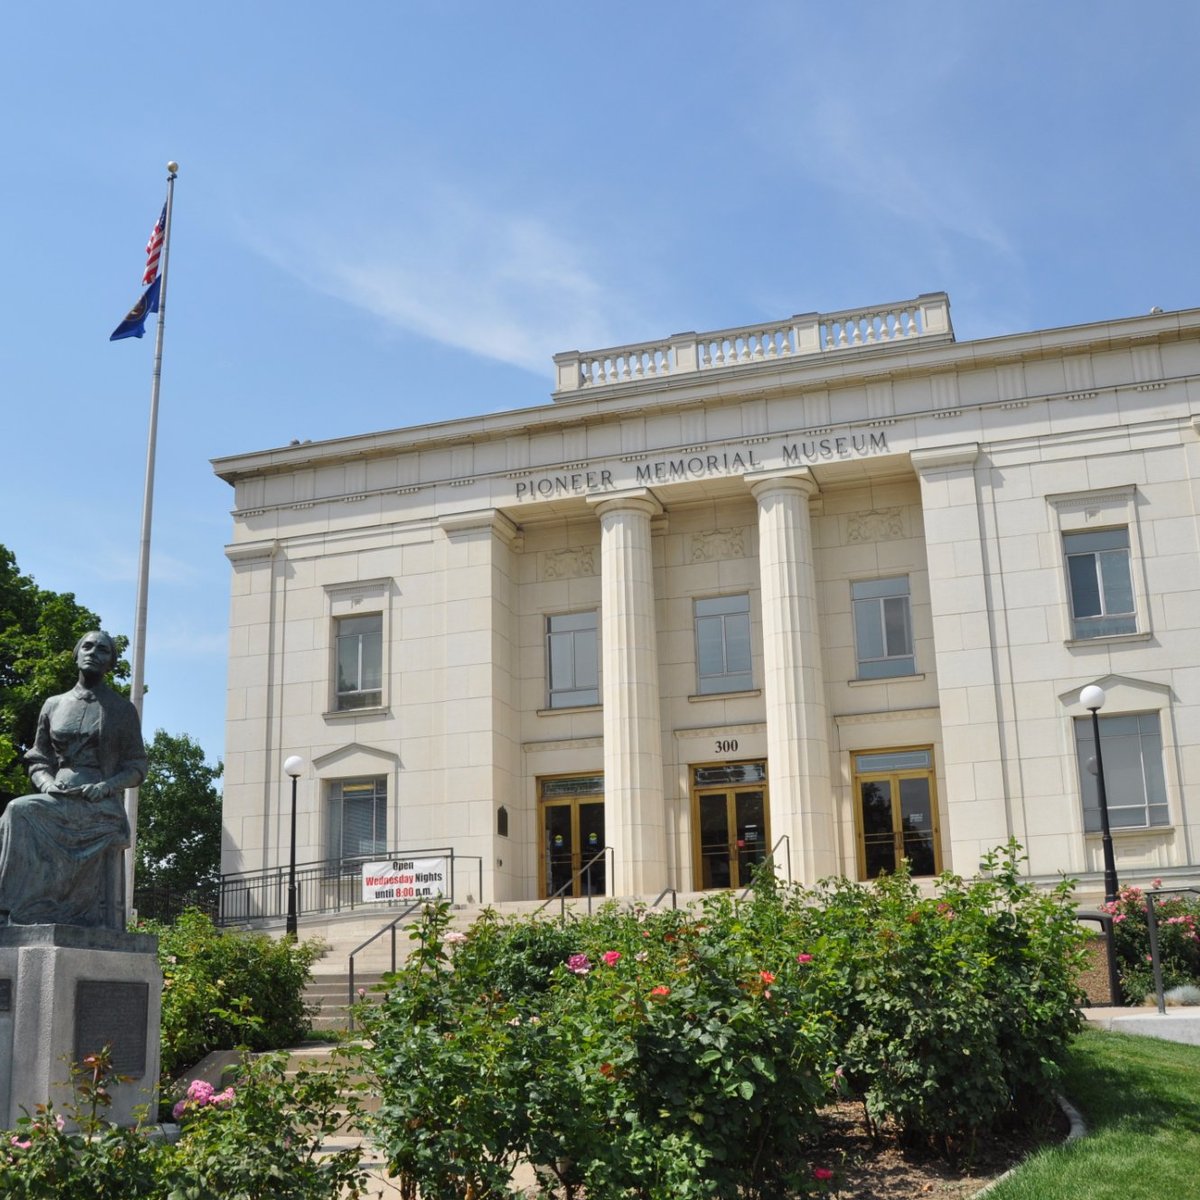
{"points": [[876, 118], [488, 278]]}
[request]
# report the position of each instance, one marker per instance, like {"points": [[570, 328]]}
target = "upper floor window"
{"points": [[1102, 603], [723, 644], [1135, 786], [572, 660], [358, 818], [359, 659], [883, 627]]}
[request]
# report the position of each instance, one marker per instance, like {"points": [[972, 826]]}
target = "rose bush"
{"points": [[1178, 941], [263, 1139], [686, 1054]]}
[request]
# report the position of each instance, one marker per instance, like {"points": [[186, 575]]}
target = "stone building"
{"points": [[829, 586]]}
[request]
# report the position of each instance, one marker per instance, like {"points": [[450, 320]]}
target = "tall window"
{"points": [[883, 627], [358, 818], [572, 660], [1134, 784], [359, 650], [1101, 587], [723, 644]]}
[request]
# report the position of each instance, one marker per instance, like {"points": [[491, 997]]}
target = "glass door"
{"points": [[572, 857], [897, 812], [732, 836]]}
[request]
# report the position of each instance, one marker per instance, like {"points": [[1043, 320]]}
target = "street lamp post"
{"points": [[1092, 698], [293, 766]]}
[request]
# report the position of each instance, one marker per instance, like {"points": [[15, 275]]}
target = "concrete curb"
{"points": [[1078, 1130]]}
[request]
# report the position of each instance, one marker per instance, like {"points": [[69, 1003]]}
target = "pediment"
{"points": [[355, 759], [1123, 693]]}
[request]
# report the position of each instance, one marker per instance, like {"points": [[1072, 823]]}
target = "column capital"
{"points": [[635, 500], [786, 479]]}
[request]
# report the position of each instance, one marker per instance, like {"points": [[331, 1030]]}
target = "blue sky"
{"points": [[388, 213]]}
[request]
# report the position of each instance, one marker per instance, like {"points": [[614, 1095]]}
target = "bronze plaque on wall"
{"points": [[108, 1013]]}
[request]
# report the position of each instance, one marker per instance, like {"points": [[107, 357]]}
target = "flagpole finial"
{"points": [[173, 167]]}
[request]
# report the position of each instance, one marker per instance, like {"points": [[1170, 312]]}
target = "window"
{"points": [[359, 657], [572, 660], [723, 644], [883, 627], [1102, 602], [1134, 784], [358, 818]]}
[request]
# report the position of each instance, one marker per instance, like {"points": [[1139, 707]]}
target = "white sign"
{"points": [[405, 879]]}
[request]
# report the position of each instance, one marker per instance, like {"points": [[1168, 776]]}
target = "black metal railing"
{"points": [[583, 879], [164, 904], [1105, 921], [391, 928], [1152, 927], [768, 863], [331, 885]]}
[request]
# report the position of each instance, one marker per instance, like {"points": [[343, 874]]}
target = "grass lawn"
{"points": [[1140, 1098]]}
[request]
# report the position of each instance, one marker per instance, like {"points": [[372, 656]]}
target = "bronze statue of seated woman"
{"points": [[58, 847]]}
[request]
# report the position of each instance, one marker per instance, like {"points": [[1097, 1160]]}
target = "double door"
{"points": [[731, 822], [897, 812], [573, 857]]}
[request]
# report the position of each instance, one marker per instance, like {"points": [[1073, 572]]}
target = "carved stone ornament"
{"points": [[717, 544], [876, 525], [569, 564]]}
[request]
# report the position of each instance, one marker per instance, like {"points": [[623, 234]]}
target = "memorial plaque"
{"points": [[113, 1014], [5, 995]]}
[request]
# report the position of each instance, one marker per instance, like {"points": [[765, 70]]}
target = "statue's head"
{"points": [[96, 653]]}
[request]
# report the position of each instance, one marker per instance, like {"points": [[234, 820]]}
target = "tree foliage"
{"points": [[38, 629], [179, 817]]}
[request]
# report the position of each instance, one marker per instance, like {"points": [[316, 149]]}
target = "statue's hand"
{"points": [[96, 791]]}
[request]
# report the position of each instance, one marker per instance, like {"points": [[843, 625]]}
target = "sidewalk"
{"points": [[1175, 1025]]}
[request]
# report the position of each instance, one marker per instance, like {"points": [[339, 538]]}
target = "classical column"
{"points": [[793, 680], [633, 777]]}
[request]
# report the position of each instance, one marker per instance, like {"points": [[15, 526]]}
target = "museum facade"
{"points": [[825, 590]]}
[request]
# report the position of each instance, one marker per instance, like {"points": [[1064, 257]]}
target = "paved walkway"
{"points": [[1175, 1025]]}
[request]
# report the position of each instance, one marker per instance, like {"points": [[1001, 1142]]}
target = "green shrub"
{"points": [[656, 1057], [269, 1141], [685, 1055], [225, 989], [1178, 941], [264, 1143], [952, 1011]]}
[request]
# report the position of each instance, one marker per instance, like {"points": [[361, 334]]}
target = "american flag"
{"points": [[154, 248]]}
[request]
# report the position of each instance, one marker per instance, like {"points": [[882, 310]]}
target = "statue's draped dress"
{"points": [[52, 844]]}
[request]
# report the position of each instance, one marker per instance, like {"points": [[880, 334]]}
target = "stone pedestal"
{"points": [[66, 992]]}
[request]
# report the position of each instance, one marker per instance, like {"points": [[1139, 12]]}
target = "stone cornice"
{"points": [[776, 377]]}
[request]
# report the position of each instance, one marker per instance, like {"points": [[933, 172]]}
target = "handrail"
{"points": [[560, 893], [390, 926], [325, 885], [770, 858], [1152, 927], [1106, 923], [674, 894]]}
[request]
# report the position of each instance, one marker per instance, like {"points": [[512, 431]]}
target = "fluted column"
{"points": [[793, 680], [633, 777]]}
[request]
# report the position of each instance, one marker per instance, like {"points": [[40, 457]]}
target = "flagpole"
{"points": [[137, 689]]}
